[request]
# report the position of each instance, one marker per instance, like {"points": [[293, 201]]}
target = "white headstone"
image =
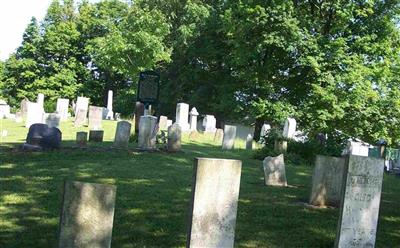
{"points": [[182, 116], [81, 103], [4, 111], [290, 128], [228, 141], [110, 113], [163, 122], [193, 119], [209, 123], [274, 171], [169, 123], [34, 114], [147, 132], [40, 100], [95, 117], [356, 148], [62, 108]]}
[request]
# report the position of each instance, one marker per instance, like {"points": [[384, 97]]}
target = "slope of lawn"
{"points": [[153, 192]]}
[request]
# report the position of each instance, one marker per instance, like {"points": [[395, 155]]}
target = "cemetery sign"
{"points": [[148, 87]]}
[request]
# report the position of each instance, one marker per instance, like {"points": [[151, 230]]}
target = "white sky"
{"points": [[14, 17]]}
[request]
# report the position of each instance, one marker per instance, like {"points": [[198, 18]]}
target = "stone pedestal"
{"points": [[215, 194], [122, 134], [87, 215], [174, 138], [81, 139], [228, 141], [147, 133], [274, 171], [96, 135]]}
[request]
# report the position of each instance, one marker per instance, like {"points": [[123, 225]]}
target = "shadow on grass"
{"points": [[153, 192]]}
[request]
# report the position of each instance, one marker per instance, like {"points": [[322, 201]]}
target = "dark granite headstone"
{"points": [[44, 136], [96, 135]]}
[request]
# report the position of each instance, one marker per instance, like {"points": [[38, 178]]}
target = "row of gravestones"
{"points": [[88, 209], [353, 183]]}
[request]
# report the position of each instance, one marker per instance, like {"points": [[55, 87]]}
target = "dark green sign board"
{"points": [[148, 87]]}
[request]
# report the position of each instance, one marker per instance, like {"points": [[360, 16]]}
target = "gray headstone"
{"points": [[327, 181], [87, 215], [182, 116], [122, 134], [215, 194], [81, 138], [174, 138], [62, 108], [249, 142], [274, 171], [219, 134], [95, 117], [163, 122], [147, 132], [228, 141], [43, 136], [34, 114], [361, 195], [52, 120], [24, 107], [80, 118], [96, 135]]}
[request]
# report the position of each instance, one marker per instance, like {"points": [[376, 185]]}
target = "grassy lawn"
{"points": [[153, 191]]}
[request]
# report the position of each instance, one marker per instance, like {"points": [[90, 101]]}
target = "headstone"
{"points": [[122, 134], [228, 141], [80, 118], [95, 117], [265, 130], [219, 134], [163, 122], [52, 120], [81, 103], [249, 142], [139, 112], [356, 148], [182, 115], [169, 123], [87, 215], [147, 132], [34, 114], [215, 194], [209, 123], [361, 194], [24, 107], [81, 139], [193, 119], [327, 181], [43, 136], [4, 109], [274, 171], [96, 135], [110, 113], [18, 117], [40, 100], [62, 108], [290, 128], [174, 138]]}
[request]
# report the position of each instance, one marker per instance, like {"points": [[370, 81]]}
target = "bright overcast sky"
{"points": [[14, 17]]}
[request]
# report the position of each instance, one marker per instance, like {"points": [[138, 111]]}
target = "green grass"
{"points": [[153, 192]]}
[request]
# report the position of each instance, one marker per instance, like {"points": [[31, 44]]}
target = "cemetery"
{"points": [[202, 124]]}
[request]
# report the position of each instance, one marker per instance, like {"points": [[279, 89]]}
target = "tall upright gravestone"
{"points": [[228, 141], [95, 117], [215, 194], [82, 103], [327, 181], [80, 118], [289, 129], [34, 114], [361, 195], [87, 215], [163, 123], [110, 113], [24, 107], [182, 116], [122, 134], [62, 108], [147, 133]]}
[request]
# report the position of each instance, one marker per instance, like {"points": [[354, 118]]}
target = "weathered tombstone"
{"points": [[24, 107], [289, 129], [109, 114], [40, 100], [87, 215], [249, 142], [81, 139], [96, 135], [169, 123], [147, 132], [52, 120], [174, 138], [228, 141], [215, 194], [43, 136], [193, 119], [274, 171], [182, 115], [122, 134], [95, 117], [18, 117], [139, 112], [209, 123], [219, 134], [327, 181], [34, 114], [81, 103], [356, 148], [80, 118], [361, 195], [163, 122], [62, 108]]}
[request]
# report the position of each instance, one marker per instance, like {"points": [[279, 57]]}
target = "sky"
{"points": [[14, 17]]}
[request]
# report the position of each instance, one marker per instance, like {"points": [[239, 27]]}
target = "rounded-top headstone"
{"points": [[43, 136], [122, 134], [174, 138]]}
